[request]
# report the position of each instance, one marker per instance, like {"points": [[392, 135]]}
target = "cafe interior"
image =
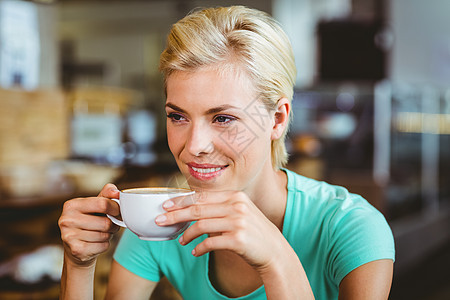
{"points": [[81, 105]]}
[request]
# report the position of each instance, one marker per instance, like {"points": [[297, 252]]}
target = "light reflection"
{"points": [[415, 122]]}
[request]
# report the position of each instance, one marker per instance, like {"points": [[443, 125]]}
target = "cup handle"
{"points": [[114, 219]]}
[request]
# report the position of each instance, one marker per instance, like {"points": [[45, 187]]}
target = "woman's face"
{"points": [[218, 131]]}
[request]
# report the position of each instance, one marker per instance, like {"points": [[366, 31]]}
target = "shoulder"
{"points": [[333, 229], [350, 231], [346, 220], [332, 200]]}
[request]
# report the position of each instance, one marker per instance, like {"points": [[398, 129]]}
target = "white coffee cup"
{"points": [[140, 206]]}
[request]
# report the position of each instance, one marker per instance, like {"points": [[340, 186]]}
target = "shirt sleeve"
{"points": [[138, 256], [358, 234]]}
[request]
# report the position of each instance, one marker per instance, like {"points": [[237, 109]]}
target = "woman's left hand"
{"points": [[232, 221]]}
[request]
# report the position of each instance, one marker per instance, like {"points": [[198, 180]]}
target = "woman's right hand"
{"points": [[85, 230]]}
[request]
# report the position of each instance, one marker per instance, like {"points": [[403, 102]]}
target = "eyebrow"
{"points": [[174, 107], [210, 111]]}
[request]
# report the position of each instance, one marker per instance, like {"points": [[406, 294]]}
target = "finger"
{"points": [[212, 243], [109, 191], [201, 197], [92, 205], [88, 222], [94, 236], [193, 213], [205, 226], [179, 202], [88, 236]]}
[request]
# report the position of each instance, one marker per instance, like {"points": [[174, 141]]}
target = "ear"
{"points": [[281, 118]]}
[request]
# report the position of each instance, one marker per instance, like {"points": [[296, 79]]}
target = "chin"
{"points": [[205, 186]]}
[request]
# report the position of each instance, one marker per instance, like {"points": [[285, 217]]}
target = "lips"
{"points": [[205, 171]]}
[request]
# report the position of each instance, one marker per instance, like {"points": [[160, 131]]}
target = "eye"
{"points": [[175, 117], [224, 119]]}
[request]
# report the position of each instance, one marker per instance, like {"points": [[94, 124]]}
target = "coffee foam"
{"points": [[156, 190]]}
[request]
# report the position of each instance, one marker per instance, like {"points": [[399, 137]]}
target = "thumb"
{"points": [[109, 191]]}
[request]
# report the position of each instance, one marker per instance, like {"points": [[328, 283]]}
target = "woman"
{"points": [[262, 231]]}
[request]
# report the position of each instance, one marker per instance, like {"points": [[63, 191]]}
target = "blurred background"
{"points": [[81, 104]]}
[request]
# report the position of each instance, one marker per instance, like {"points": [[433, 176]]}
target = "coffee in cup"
{"points": [[140, 206]]}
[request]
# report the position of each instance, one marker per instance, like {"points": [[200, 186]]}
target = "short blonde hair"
{"points": [[247, 38]]}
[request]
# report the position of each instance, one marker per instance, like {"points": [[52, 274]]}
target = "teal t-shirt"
{"points": [[331, 230]]}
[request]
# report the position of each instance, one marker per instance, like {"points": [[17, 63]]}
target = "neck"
{"points": [[271, 199]]}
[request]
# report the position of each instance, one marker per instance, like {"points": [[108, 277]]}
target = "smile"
{"points": [[205, 172]]}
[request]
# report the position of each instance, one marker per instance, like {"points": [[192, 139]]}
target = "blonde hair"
{"points": [[247, 39]]}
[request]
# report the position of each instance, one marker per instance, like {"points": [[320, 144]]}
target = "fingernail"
{"points": [[160, 219], [180, 240], [168, 204], [193, 252]]}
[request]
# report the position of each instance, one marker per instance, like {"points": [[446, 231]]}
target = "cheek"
{"points": [[258, 146], [174, 140], [237, 139]]}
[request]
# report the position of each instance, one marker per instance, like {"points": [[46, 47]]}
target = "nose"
{"points": [[199, 141]]}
